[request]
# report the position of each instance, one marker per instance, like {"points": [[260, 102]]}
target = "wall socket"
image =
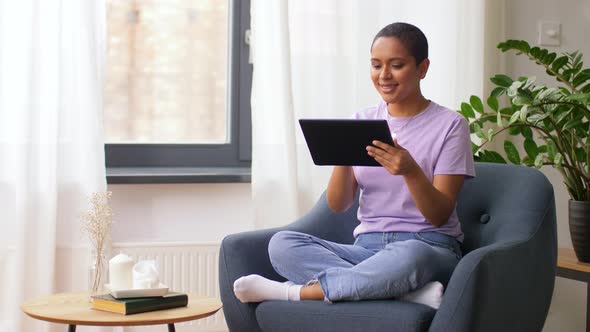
{"points": [[549, 33]]}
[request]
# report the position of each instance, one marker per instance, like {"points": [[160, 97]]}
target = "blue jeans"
{"points": [[377, 266]]}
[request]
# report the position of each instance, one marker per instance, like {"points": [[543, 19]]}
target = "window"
{"points": [[177, 85]]}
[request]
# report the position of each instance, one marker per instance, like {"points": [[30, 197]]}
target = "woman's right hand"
{"points": [[341, 189]]}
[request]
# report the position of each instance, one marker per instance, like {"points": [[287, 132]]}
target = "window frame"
{"points": [[234, 154]]}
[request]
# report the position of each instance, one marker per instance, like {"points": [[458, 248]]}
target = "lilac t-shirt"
{"points": [[438, 140]]}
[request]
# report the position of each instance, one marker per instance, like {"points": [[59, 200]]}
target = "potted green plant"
{"points": [[554, 122]]}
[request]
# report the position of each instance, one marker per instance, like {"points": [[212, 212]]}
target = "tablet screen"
{"points": [[343, 141]]}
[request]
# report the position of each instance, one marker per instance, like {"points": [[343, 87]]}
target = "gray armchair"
{"points": [[503, 283]]}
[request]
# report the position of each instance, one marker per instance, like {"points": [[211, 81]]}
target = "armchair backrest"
{"points": [[503, 203]]}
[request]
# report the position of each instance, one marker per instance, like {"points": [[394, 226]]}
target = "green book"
{"points": [[136, 305]]}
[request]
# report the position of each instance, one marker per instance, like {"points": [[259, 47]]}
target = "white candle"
{"points": [[121, 272]]}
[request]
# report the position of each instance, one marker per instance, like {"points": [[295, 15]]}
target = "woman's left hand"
{"points": [[395, 159]]}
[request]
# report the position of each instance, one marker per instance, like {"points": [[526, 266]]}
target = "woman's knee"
{"points": [[429, 262], [421, 254], [284, 244]]}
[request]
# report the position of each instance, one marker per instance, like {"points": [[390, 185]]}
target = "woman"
{"points": [[408, 240]]}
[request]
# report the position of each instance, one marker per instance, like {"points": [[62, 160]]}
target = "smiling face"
{"points": [[394, 72]]}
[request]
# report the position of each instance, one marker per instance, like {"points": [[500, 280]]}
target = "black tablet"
{"points": [[343, 141]]}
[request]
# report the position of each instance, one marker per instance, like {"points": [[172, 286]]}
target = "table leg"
{"points": [[71, 328], [588, 308], [171, 328]]}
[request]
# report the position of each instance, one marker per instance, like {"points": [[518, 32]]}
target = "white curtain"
{"points": [[311, 60], [51, 146]]}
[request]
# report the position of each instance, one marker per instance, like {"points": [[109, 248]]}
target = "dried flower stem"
{"points": [[97, 224]]}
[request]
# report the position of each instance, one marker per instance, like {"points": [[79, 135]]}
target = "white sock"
{"points": [[430, 294], [255, 288]]}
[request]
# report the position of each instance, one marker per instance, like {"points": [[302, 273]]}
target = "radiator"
{"points": [[184, 267]]}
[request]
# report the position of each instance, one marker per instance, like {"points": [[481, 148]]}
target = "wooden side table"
{"points": [[75, 309], [569, 267]]}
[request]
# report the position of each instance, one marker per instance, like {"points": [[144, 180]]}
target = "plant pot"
{"points": [[579, 220]]}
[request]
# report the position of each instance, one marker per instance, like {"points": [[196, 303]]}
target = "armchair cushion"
{"points": [[359, 316]]}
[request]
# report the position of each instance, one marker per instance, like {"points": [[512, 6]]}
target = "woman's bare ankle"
{"points": [[312, 292]]}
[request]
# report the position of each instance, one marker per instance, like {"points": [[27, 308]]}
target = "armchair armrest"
{"points": [[242, 254], [247, 253], [497, 285]]}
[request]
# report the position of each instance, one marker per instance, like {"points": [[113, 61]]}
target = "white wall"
{"points": [[180, 212], [568, 309], [207, 212]]}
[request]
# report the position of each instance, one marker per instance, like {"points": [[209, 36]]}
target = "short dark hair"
{"points": [[410, 36]]}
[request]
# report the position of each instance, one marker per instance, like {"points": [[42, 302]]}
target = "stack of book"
{"points": [[135, 305]]}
